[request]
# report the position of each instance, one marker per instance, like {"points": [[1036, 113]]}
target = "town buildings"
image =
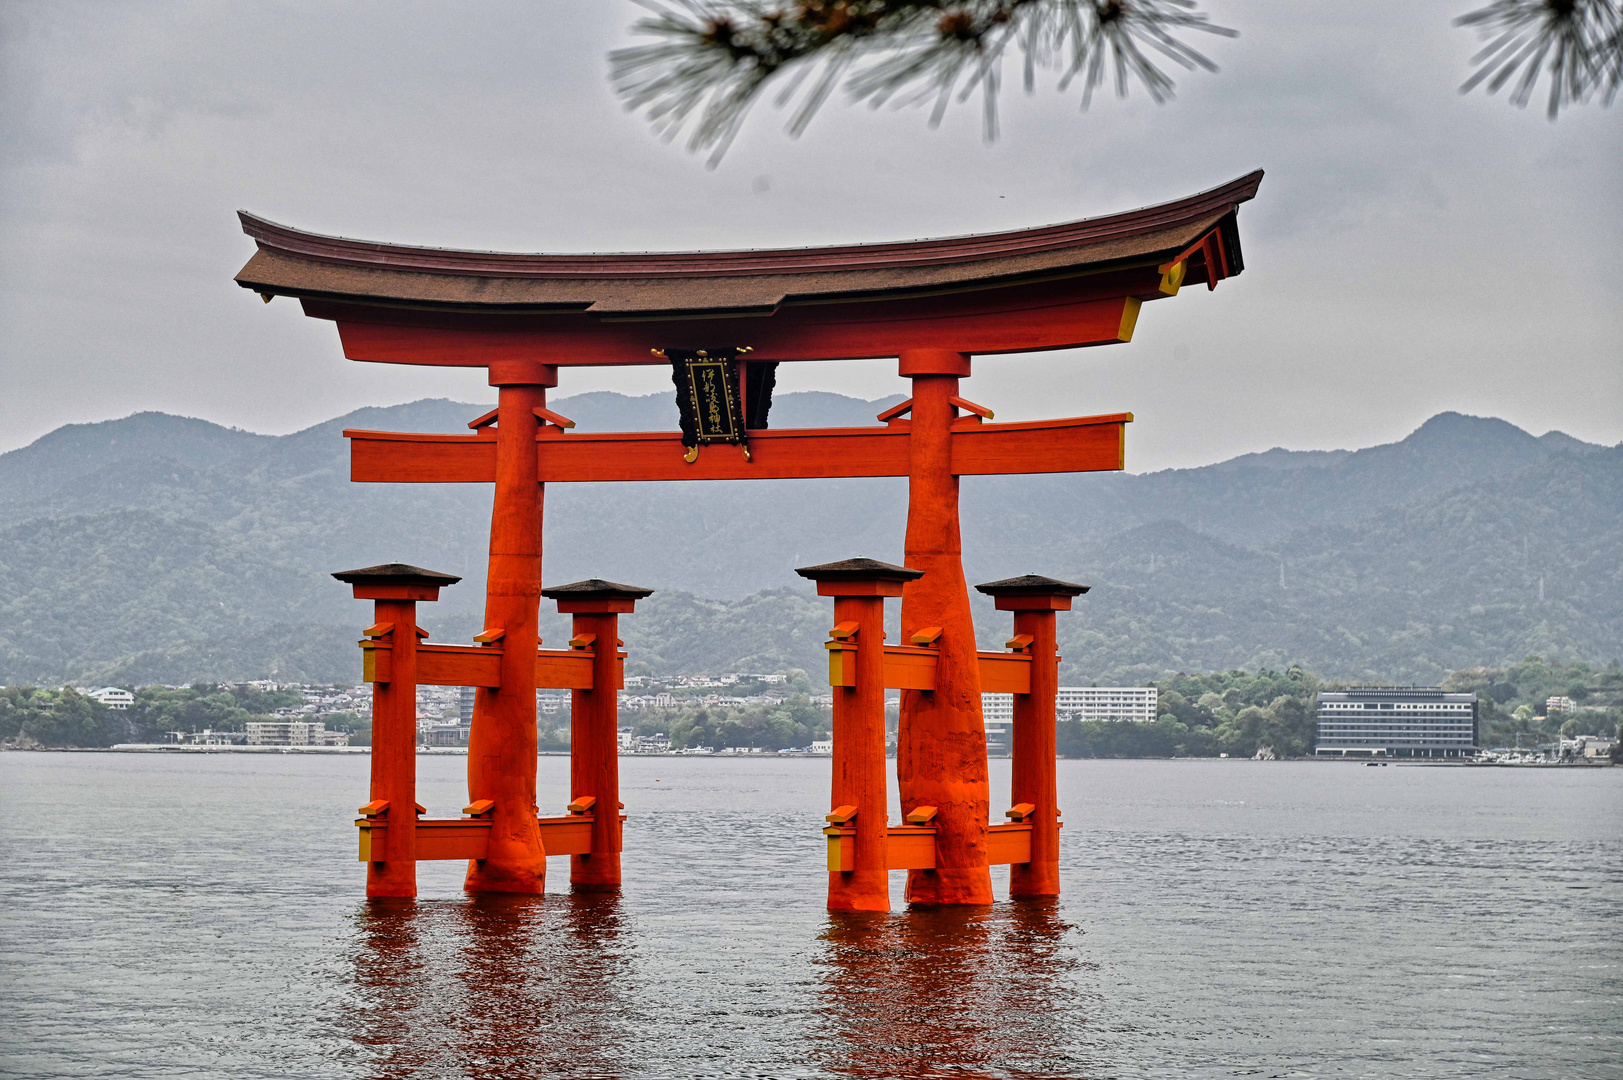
{"points": [[1396, 721]]}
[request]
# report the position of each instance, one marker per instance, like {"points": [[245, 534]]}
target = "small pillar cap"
{"points": [[396, 574], [1031, 585], [596, 589], [859, 570]]}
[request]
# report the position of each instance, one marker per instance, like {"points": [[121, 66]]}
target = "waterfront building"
{"points": [[1396, 721], [450, 733], [288, 733], [1138, 704], [1114, 703], [998, 708], [1560, 704], [113, 697]]}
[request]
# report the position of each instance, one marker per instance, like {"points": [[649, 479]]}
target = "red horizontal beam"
{"points": [[1077, 444], [469, 838], [1028, 318], [476, 665], [911, 847]]}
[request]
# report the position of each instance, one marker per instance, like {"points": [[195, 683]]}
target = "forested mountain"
{"points": [[161, 549]]}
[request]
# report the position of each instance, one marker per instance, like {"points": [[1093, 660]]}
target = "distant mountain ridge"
{"points": [[160, 548]]}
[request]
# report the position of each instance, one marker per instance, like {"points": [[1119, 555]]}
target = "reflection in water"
{"points": [[492, 986], [951, 991]]}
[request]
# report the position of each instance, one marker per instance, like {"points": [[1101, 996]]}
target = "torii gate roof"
{"points": [[680, 298]]}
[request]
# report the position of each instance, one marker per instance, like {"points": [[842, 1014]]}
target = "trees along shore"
{"points": [[1232, 712]]}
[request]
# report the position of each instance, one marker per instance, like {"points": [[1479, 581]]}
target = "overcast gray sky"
{"points": [[1411, 250]]}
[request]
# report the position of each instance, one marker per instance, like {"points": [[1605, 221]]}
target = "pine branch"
{"points": [[1578, 43], [712, 59]]}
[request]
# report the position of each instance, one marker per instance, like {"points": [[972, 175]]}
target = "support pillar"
{"points": [[941, 748], [391, 667], [859, 588], [501, 742], [1034, 600], [594, 720]]}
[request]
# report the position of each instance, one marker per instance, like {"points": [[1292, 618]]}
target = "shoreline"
{"points": [[462, 751]]}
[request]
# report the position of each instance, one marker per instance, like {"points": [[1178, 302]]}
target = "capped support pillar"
{"points": [[941, 741], [858, 798], [395, 589], [1034, 600], [501, 741], [594, 717]]}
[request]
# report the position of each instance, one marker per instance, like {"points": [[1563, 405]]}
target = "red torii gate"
{"points": [[931, 303]]}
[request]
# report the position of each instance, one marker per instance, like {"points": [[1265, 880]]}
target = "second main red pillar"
{"points": [[941, 741]]}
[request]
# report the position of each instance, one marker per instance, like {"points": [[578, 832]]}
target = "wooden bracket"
{"points": [[481, 808], [1217, 262], [927, 636], [1020, 811], [583, 804], [844, 631], [421, 631], [896, 411], [582, 641], [491, 635], [484, 421], [921, 815], [375, 808], [1019, 643], [377, 630], [970, 407], [1172, 277], [842, 815], [555, 419]]}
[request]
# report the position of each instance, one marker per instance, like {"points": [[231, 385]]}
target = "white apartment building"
{"points": [[287, 733], [997, 708], [1139, 704], [1135, 703], [1559, 704], [113, 697]]}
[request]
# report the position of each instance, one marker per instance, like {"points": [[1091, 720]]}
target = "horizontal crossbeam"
{"points": [[1073, 444], [476, 665], [469, 837], [912, 847], [908, 667]]}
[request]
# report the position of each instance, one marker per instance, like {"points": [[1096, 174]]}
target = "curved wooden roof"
{"points": [[290, 262]]}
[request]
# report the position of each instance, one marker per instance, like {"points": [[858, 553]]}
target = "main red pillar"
{"points": [[594, 716], [941, 747], [501, 743], [395, 589], [1034, 600], [859, 588]]}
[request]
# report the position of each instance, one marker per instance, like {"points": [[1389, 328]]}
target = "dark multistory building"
{"points": [[1397, 721]]}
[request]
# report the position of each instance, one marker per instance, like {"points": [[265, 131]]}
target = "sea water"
{"points": [[186, 916]]}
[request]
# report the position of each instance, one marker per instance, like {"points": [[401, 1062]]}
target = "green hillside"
{"points": [[162, 549]]}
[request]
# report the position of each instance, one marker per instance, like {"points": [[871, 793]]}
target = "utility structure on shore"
{"points": [[723, 321]]}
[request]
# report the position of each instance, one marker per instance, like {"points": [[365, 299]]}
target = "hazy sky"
{"points": [[1411, 250]]}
